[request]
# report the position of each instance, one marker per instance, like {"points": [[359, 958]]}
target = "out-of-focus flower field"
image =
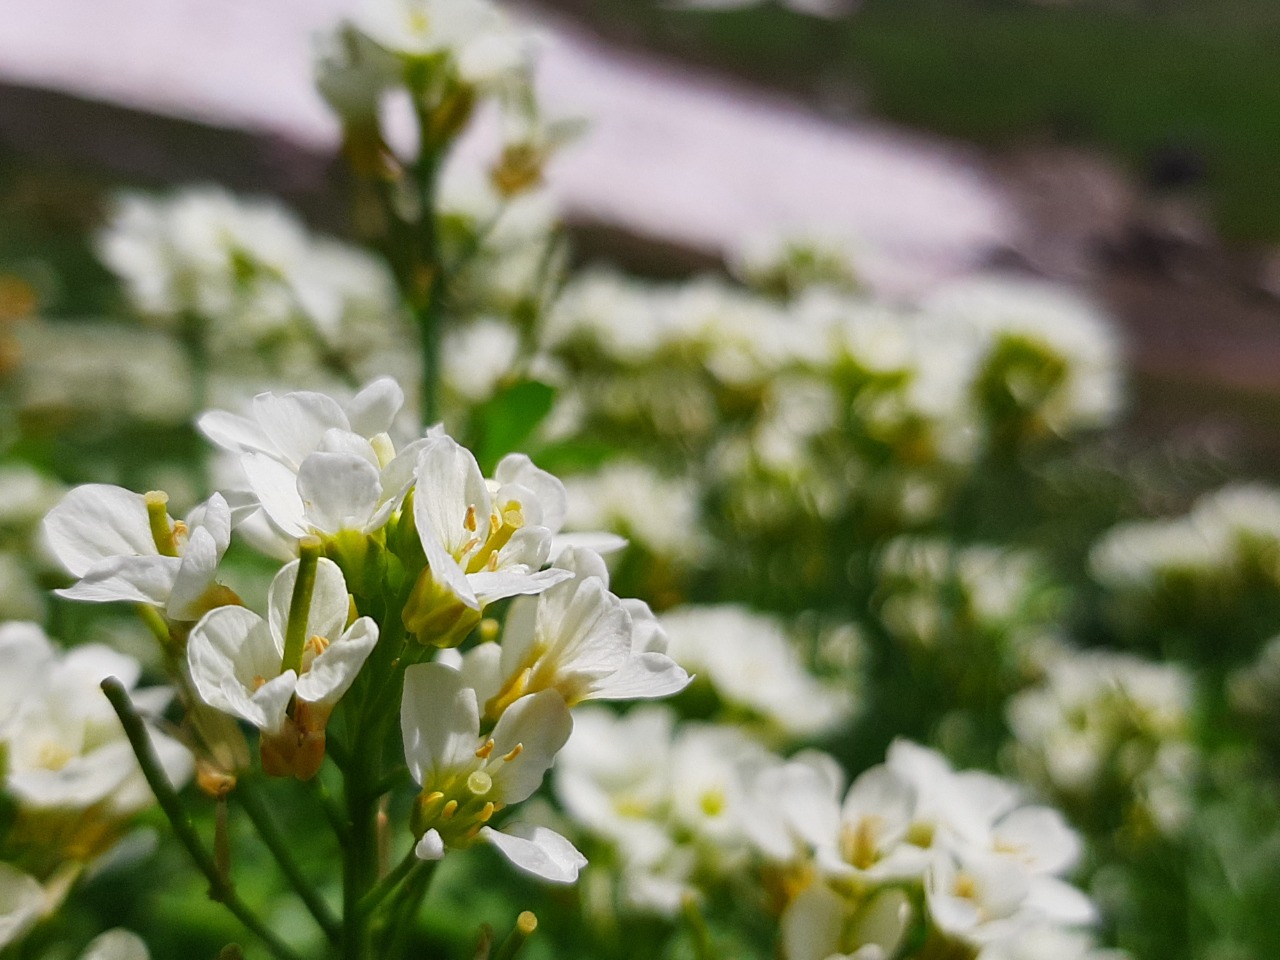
{"points": [[384, 536]]}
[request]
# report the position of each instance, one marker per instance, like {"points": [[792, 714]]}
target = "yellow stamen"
{"points": [[485, 749], [449, 810], [470, 521], [515, 752]]}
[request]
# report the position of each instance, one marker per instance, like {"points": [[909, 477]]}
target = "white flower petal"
{"points": [[812, 924], [233, 433], [215, 516], [295, 424], [1060, 902], [133, 579], [1040, 838], [229, 651], [439, 721], [339, 491], [430, 847], [332, 672], [372, 410], [537, 850], [644, 676], [489, 587], [330, 603], [21, 903], [449, 482], [117, 944], [194, 575], [549, 492], [96, 522], [540, 724], [276, 487], [84, 780]]}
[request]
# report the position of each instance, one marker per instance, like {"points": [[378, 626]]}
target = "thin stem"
{"points": [[526, 923], [220, 888], [332, 811], [389, 883], [702, 948], [276, 843], [427, 280], [404, 907], [295, 634]]}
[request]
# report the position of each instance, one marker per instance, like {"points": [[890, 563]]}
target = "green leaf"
{"points": [[504, 422]]}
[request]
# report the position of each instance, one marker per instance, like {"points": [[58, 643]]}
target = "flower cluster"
{"points": [[69, 769], [826, 406], [1106, 734], [246, 283], [913, 850], [754, 666], [398, 553], [1213, 571]]}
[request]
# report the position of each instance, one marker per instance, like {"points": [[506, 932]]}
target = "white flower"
{"points": [[123, 546], [579, 639], [64, 745], [752, 663], [983, 897], [474, 33], [317, 466], [22, 904], [675, 807], [466, 779], [247, 264], [478, 356], [819, 924], [659, 513], [484, 540], [1048, 943], [1100, 713], [237, 665], [1063, 328], [116, 944]]}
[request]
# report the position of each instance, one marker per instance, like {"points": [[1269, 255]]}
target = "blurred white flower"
{"points": [[1103, 718], [1071, 377], [65, 748], [659, 513], [116, 944], [751, 662], [477, 357]]}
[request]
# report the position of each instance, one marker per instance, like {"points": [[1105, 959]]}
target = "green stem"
{"points": [[332, 811], [295, 634], [220, 888], [404, 907], [526, 923], [389, 883], [428, 280], [701, 934], [278, 846]]}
